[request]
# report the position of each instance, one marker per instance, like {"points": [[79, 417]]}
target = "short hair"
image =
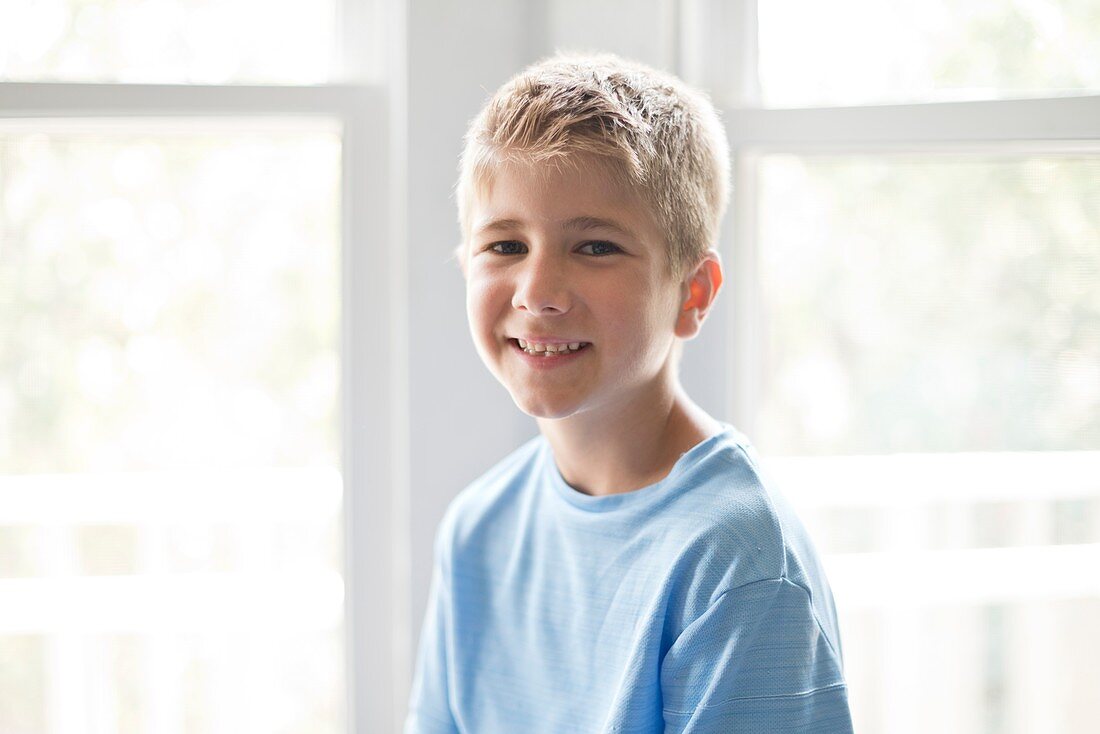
{"points": [[657, 134]]}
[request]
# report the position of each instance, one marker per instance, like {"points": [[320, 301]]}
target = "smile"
{"points": [[549, 350], [553, 356]]}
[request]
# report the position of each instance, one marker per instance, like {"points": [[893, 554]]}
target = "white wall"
{"points": [[462, 420]]}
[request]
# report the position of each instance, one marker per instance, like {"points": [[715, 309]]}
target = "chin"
{"points": [[545, 409]]}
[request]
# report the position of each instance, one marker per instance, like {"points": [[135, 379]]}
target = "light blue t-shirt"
{"points": [[696, 604]]}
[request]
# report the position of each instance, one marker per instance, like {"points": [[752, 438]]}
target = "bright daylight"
{"points": [[690, 366]]}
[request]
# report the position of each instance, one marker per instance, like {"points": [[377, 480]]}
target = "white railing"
{"points": [[915, 619], [904, 486], [249, 606], [233, 495], [908, 480]]}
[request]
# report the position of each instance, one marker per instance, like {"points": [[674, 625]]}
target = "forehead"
{"points": [[580, 193]]}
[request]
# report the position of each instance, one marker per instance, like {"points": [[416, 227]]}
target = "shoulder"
{"points": [[733, 524], [493, 493], [723, 509]]}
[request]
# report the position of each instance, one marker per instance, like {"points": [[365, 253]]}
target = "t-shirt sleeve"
{"points": [[429, 710], [755, 661]]}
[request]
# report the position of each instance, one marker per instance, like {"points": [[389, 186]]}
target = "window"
{"points": [[170, 393], [185, 313], [917, 340]]}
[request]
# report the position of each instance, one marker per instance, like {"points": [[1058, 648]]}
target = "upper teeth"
{"points": [[532, 347]]}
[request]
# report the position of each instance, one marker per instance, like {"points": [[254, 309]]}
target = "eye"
{"points": [[510, 247], [601, 248]]}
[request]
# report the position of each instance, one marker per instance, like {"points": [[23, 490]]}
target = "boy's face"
{"points": [[570, 256]]}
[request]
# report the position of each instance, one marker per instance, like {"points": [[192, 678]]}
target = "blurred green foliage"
{"points": [[168, 301], [935, 303]]}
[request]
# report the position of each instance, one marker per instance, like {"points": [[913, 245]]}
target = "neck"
{"points": [[630, 445]]}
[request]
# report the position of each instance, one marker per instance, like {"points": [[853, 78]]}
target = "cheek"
{"points": [[486, 301], [644, 324], [638, 311]]}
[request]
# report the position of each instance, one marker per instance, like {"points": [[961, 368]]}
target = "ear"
{"points": [[698, 291]]}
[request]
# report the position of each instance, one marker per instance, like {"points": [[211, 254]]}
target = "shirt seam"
{"points": [[817, 621], [800, 694], [813, 609], [783, 539]]}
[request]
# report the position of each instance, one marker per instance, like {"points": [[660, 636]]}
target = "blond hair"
{"points": [[658, 135]]}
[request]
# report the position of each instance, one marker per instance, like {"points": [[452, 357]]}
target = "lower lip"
{"points": [[548, 363]]}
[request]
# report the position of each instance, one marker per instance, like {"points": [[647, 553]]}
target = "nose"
{"points": [[543, 285]]}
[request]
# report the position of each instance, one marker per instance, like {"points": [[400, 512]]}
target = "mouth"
{"points": [[548, 350]]}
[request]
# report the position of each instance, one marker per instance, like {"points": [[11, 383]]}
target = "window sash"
{"points": [[721, 38], [1056, 125], [373, 391]]}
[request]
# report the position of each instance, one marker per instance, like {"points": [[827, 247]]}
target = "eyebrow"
{"points": [[581, 223]]}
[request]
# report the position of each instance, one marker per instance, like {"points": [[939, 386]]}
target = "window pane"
{"points": [[931, 304], [168, 41], [931, 404], [170, 495], [849, 52]]}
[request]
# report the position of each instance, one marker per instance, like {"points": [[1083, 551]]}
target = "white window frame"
{"points": [[368, 103], [719, 51], [1051, 126]]}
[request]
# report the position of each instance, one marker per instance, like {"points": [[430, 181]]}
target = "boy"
{"points": [[627, 570]]}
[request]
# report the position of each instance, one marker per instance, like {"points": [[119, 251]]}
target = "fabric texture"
{"points": [[696, 604]]}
